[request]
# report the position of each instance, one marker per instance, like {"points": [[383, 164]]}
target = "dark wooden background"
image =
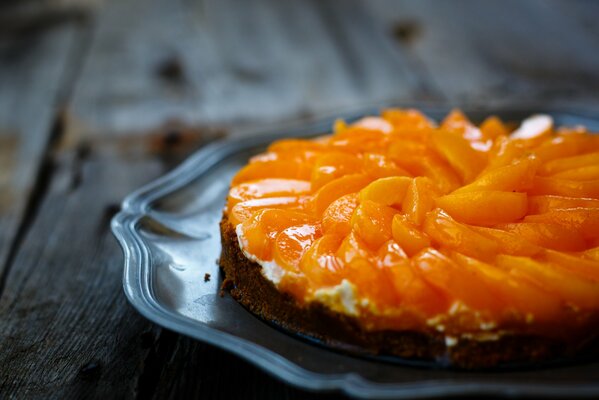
{"points": [[100, 97]]}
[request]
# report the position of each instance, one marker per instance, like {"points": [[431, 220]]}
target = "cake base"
{"points": [[244, 281]]}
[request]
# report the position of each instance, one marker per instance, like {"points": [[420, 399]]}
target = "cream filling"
{"points": [[342, 298]]}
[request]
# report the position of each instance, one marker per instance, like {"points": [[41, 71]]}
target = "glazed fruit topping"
{"points": [[487, 224]]}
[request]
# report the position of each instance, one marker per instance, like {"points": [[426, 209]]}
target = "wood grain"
{"points": [[94, 103], [502, 52], [34, 66]]}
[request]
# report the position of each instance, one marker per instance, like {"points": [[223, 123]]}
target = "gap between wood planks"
{"points": [[44, 173]]}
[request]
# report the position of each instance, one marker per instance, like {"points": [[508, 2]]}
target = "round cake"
{"points": [[472, 246]]}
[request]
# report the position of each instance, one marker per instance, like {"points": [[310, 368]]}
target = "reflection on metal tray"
{"points": [[170, 237]]}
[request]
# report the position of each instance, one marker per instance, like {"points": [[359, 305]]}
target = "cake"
{"points": [[473, 246]]}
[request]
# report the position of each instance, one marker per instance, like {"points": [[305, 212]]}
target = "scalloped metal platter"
{"points": [[170, 238]]}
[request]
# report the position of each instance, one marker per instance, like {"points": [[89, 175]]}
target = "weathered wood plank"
{"points": [[67, 330], [229, 62], [65, 319], [501, 52], [34, 68]]}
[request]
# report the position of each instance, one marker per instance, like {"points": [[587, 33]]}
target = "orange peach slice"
{"points": [[242, 211], [260, 230], [387, 191], [380, 166], [583, 220], [445, 231], [570, 288], [291, 244], [415, 293], [588, 173], [509, 243], [390, 253], [337, 188], [484, 208], [550, 236], [352, 247], [564, 187], [372, 222], [336, 218], [372, 282], [408, 236], [564, 164], [320, 264], [517, 176], [419, 199], [584, 268], [516, 294], [267, 188], [443, 273], [272, 169], [459, 154], [492, 127], [331, 166], [456, 121], [543, 204]]}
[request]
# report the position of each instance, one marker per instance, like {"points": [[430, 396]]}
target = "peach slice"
{"points": [[517, 176], [372, 282], [408, 123], [563, 146], [588, 173], [445, 231], [337, 188], [515, 293], [564, 164], [352, 247], [261, 229], [443, 273], [415, 293], [484, 208], [244, 210], [459, 154], [267, 188], [419, 199], [355, 140], [372, 222], [380, 166], [509, 243], [272, 169], [331, 166], [550, 236], [294, 145], [570, 288], [564, 187], [587, 269], [320, 264], [456, 121], [408, 236], [583, 220], [291, 244], [390, 253], [336, 218], [387, 191], [543, 204], [504, 151], [492, 127]]}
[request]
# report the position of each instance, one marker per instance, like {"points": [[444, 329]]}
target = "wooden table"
{"points": [[100, 97]]}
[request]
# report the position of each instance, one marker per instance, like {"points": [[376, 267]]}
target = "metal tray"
{"points": [[170, 238]]}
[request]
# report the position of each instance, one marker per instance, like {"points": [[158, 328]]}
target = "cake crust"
{"points": [[244, 281]]}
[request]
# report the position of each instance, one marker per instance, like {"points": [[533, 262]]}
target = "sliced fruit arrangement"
{"points": [[461, 227]]}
